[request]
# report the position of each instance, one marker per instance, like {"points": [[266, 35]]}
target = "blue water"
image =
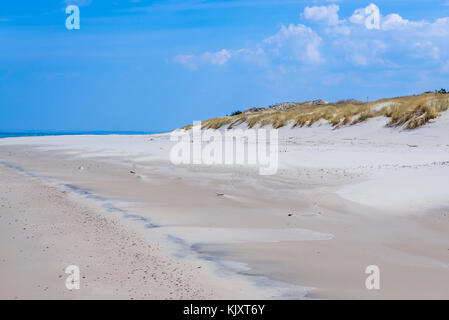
{"points": [[70, 133]]}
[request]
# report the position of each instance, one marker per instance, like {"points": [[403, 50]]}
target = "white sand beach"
{"points": [[140, 227]]}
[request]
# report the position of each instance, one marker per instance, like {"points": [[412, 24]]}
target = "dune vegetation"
{"points": [[407, 112]]}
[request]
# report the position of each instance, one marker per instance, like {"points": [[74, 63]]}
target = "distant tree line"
{"points": [[442, 91], [236, 113]]}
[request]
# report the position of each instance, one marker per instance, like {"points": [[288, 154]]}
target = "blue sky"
{"points": [[157, 65]]}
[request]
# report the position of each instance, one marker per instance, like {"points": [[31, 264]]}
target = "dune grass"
{"points": [[408, 112]]}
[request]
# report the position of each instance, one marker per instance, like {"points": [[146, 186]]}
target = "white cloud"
{"points": [[361, 15], [218, 58], [399, 42], [389, 22], [440, 28], [339, 30], [362, 52], [358, 17], [396, 42], [393, 21], [324, 14], [298, 42], [291, 43]]}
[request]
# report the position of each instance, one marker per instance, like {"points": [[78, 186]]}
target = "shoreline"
{"points": [[238, 285], [37, 247], [182, 202]]}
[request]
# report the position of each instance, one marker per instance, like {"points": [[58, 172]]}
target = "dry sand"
{"points": [[44, 229], [341, 200]]}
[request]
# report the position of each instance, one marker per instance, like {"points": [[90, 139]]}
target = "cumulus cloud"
{"points": [[323, 14], [396, 41], [359, 16], [341, 40], [363, 52], [393, 21], [291, 43], [365, 15], [296, 42], [389, 22]]}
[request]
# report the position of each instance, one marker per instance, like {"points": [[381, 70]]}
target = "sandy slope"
{"points": [[341, 200]]}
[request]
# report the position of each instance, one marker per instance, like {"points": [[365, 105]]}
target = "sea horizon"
{"points": [[18, 134]]}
